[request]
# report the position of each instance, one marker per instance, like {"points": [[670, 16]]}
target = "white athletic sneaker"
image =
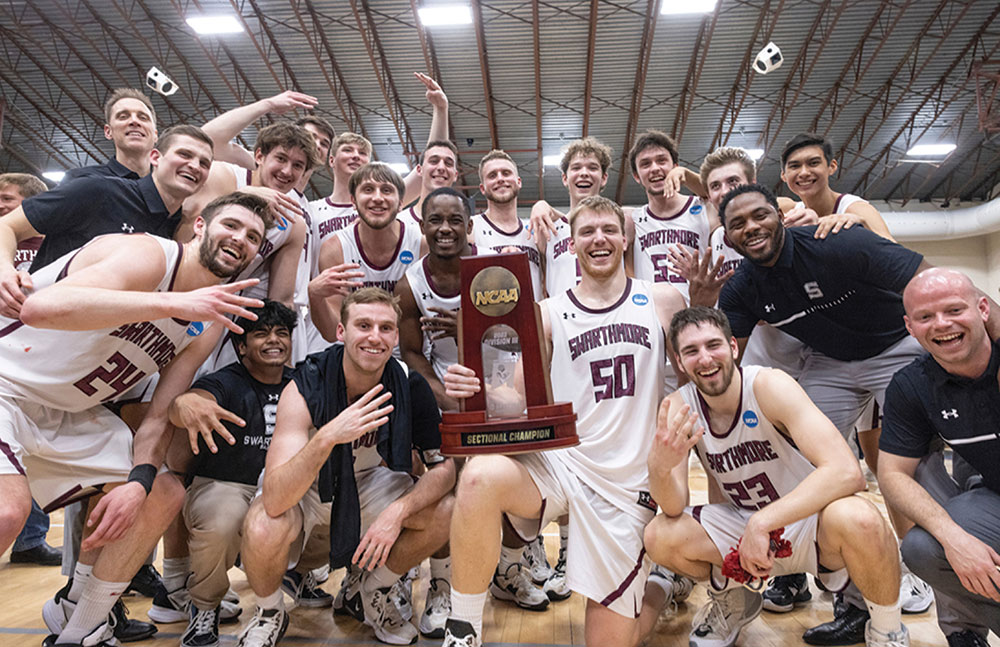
{"points": [[102, 636], [170, 606], [437, 609], [516, 586], [555, 587], [401, 593], [719, 622], [875, 638], [382, 615], [57, 611], [459, 633], [682, 587], [915, 595], [536, 562], [265, 628], [348, 600]]}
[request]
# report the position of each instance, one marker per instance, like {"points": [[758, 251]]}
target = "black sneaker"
{"points": [[786, 591], [305, 590], [846, 629], [967, 638], [146, 582], [459, 633], [127, 629], [203, 628], [41, 555]]}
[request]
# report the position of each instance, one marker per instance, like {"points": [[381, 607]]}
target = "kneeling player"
{"points": [[783, 465]]}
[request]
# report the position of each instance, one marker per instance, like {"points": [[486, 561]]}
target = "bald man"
{"points": [[950, 395]]}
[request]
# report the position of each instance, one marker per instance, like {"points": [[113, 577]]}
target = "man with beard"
{"points": [[840, 296], [499, 229], [90, 318], [783, 467], [373, 252], [601, 483]]}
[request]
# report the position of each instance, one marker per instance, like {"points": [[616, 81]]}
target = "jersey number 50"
{"points": [[619, 383]]}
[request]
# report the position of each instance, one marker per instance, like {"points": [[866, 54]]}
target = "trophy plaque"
{"points": [[500, 338]]}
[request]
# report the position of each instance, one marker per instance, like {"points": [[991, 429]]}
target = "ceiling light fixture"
{"points": [[400, 167], [552, 160], [755, 153], [215, 24], [448, 14], [55, 176], [677, 7], [927, 150]]}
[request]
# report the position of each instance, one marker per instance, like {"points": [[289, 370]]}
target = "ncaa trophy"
{"points": [[500, 338]]}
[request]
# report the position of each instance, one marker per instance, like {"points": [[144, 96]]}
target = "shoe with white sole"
{"points": [[437, 609], [382, 615], [516, 586], [719, 622]]}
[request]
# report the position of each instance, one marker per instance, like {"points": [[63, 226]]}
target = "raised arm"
{"points": [[227, 126], [677, 432], [439, 130]]}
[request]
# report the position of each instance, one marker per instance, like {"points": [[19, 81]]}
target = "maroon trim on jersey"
{"points": [[538, 531], [330, 202], [696, 512], [11, 328], [836, 204], [432, 285], [9, 453], [395, 254], [413, 214], [74, 494], [249, 177], [736, 418], [493, 225], [627, 582], [177, 266], [597, 311], [676, 215], [725, 241]]}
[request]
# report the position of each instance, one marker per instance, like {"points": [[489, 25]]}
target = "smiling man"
{"points": [[345, 429], [950, 395], [781, 465], [89, 319], [130, 123], [74, 213]]}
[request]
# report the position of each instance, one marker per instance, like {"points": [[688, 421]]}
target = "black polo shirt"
{"points": [[74, 213], [257, 403], [923, 400], [839, 295], [111, 168]]}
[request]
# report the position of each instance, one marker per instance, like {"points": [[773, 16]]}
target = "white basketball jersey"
{"points": [[562, 269], [721, 247], [752, 462], [609, 364], [411, 216], [844, 200], [655, 235], [490, 237], [328, 218], [385, 277], [442, 352], [74, 370]]}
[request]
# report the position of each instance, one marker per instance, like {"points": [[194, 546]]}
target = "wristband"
{"points": [[143, 475]]}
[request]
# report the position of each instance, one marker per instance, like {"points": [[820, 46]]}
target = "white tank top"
{"points": [[385, 277], [443, 352], [609, 364], [844, 200], [490, 237], [562, 270], [74, 370], [328, 218], [411, 216], [655, 235], [752, 462]]}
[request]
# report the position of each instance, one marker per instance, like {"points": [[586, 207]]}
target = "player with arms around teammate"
{"points": [[121, 312], [602, 483], [782, 464]]}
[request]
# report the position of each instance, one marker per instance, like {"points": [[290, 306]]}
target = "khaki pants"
{"points": [[214, 512]]}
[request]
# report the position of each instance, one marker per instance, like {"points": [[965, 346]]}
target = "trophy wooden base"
{"points": [[549, 426]]}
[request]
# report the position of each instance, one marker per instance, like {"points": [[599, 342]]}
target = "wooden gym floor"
{"points": [[24, 589]]}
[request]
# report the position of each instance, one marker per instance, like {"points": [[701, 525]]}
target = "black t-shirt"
{"points": [[839, 295], [257, 403], [111, 168], [74, 213], [923, 401]]}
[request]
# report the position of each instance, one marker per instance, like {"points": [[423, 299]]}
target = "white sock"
{"points": [[885, 617], [382, 577], [509, 556], [80, 576], [469, 607], [441, 568], [274, 601], [563, 536], [92, 609], [175, 572]]}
